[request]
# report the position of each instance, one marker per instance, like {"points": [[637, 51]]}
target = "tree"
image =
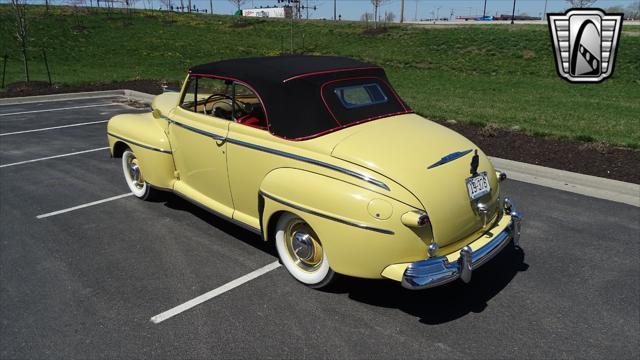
{"points": [[238, 3], [389, 17], [633, 10], [168, 4], [19, 8], [614, 9], [78, 7], [366, 17], [376, 5], [580, 3]]}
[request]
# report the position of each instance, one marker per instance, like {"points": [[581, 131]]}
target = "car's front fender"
{"points": [[360, 230], [142, 133]]}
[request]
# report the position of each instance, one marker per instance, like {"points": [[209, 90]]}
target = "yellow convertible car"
{"points": [[321, 156]]}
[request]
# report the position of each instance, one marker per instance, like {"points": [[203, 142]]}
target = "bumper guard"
{"points": [[436, 271]]}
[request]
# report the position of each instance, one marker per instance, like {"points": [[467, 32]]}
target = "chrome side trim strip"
{"points": [[311, 161], [201, 132], [283, 154], [329, 217], [139, 144]]}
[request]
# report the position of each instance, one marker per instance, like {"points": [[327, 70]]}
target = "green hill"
{"points": [[481, 74]]}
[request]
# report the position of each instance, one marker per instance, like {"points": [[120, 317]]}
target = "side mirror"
{"points": [[157, 113]]}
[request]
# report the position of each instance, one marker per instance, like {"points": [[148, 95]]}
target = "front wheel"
{"points": [[301, 252], [134, 178]]}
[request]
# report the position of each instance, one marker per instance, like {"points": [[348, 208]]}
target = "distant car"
{"points": [[320, 155]]}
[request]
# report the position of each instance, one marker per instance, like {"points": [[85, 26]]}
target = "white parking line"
{"points": [[59, 109], [213, 293], [52, 157], [83, 206], [53, 128]]}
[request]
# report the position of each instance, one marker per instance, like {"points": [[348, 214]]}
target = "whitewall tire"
{"points": [[301, 252], [134, 177]]}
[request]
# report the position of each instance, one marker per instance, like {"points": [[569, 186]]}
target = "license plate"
{"points": [[478, 186]]}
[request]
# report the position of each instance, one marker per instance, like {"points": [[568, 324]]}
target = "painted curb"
{"points": [[129, 94], [62, 97], [587, 185]]}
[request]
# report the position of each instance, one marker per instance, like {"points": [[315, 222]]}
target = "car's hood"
{"points": [[403, 148]]}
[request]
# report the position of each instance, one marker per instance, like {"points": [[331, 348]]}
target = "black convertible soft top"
{"points": [[298, 91]]}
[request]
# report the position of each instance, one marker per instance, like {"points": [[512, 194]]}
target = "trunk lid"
{"points": [[403, 148]]}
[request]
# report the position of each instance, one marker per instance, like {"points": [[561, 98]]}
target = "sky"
{"points": [[352, 9]]}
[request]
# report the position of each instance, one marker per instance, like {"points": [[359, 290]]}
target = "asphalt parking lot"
{"points": [[85, 283]]}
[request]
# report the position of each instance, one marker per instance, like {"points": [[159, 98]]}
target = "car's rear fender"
{"points": [[360, 230], [142, 133]]}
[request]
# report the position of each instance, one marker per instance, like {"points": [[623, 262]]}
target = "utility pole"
{"points": [[401, 11], [513, 13], [211, 6], [415, 16], [484, 12], [544, 15], [334, 10], [307, 9]]}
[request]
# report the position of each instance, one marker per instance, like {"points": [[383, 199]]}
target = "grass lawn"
{"points": [[503, 75]]}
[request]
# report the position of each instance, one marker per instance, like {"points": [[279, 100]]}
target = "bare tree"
{"points": [[389, 17], [168, 4], [19, 8], [633, 10], [614, 9], [238, 3], [580, 3], [366, 17], [78, 7], [376, 5]]}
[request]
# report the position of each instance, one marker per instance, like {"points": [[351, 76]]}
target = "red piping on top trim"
{"points": [[345, 126], [264, 107], [329, 72]]}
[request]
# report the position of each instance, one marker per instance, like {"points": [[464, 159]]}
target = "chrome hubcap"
{"points": [[302, 245], [134, 172]]}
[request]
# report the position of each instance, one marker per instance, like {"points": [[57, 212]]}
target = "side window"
{"points": [[209, 96], [248, 110]]}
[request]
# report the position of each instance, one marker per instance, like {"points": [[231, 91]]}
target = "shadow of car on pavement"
{"points": [[432, 306], [444, 303]]}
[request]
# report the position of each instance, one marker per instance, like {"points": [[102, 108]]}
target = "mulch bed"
{"points": [[591, 158], [597, 159]]}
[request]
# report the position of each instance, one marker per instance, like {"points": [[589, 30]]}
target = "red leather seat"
{"points": [[253, 120]]}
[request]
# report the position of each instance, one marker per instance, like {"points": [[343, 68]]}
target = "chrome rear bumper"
{"points": [[436, 271]]}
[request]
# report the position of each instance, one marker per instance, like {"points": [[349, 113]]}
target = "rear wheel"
{"points": [[134, 177], [301, 252]]}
